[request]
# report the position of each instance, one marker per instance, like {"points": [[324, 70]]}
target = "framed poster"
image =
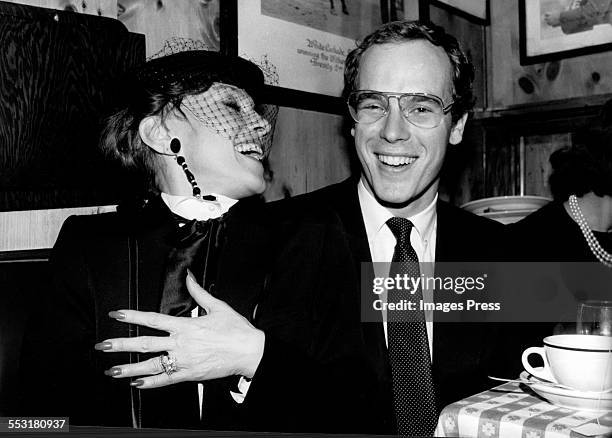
{"points": [[473, 10], [555, 29], [304, 41]]}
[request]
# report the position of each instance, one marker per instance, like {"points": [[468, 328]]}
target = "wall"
{"points": [[565, 98], [104, 8], [574, 78], [309, 152], [191, 19]]}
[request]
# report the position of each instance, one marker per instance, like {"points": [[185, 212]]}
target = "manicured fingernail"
{"points": [[114, 371], [116, 315], [190, 276], [137, 383], [103, 346]]}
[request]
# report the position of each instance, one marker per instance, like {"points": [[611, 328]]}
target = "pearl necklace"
{"points": [[602, 255]]}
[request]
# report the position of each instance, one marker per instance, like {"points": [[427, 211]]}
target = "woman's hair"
{"points": [[403, 31], [586, 166], [156, 89]]}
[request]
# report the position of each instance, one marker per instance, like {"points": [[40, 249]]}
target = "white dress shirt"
{"points": [[382, 241]]}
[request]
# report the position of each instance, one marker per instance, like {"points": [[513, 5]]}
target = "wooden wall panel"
{"points": [[463, 175], [54, 88], [537, 166], [37, 229], [472, 38], [309, 152], [103, 8], [574, 78]]}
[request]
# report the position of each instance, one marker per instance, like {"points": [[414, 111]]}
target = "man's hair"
{"points": [[402, 31]]}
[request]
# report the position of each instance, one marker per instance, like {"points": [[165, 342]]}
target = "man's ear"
{"points": [[456, 134], [155, 135]]}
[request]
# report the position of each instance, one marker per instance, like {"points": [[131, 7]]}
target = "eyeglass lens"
{"points": [[422, 111]]}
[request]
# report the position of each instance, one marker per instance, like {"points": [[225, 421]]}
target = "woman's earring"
{"points": [[196, 190], [175, 147]]}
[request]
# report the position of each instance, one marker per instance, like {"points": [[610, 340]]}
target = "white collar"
{"points": [[375, 216], [191, 208]]}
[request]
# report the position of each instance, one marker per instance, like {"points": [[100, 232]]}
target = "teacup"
{"points": [[582, 362]]}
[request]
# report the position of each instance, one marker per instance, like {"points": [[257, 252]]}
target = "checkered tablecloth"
{"points": [[510, 411]]}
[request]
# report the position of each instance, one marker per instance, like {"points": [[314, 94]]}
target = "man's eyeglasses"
{"points": [[420, 109]]}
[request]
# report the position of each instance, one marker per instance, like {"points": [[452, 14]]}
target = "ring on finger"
{"points": [[168, 363]]}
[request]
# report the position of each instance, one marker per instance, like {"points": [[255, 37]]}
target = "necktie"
{"points": [[413, 390]]}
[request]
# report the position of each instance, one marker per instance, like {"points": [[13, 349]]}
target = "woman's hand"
{"points": [[218, 344]]}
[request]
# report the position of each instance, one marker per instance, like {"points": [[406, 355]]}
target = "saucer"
{"points": [[570, 398]]}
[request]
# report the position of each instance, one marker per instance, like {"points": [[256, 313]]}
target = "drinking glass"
{"points": [[594, 318]]}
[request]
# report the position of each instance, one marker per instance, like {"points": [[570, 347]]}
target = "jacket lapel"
{"points": [[346, 202], [153, 232], [247, 242]]}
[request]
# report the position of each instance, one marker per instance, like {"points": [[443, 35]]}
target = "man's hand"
{"points": [[218, 344], [553, 18]]}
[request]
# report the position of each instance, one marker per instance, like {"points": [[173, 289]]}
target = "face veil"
{"points": [[233, 114]]}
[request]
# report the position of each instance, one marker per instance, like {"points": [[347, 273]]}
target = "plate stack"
{"points": [[506, 209]]}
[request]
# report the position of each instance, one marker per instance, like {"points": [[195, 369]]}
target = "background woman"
{"points": [[577, 225]]}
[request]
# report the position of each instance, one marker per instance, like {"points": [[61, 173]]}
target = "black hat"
{"points": [[199, 69]]}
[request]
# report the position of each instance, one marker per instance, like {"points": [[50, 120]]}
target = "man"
{"points": [[322, 369]]}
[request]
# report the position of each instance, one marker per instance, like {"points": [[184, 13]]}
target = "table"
{"points": [[511, 410]]}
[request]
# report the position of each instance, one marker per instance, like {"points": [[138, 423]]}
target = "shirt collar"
{"points": [[191, 208], [375, 216]]}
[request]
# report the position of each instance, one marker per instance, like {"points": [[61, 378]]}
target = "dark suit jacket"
{"points": [[323, 370], [291, 267], [102, 263]]}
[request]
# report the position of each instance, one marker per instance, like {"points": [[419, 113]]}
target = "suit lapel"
{"points": [[349, 212], [247, 248], [346, 202], [456, 346], [443, 333], [444, 234], [155, 234]]}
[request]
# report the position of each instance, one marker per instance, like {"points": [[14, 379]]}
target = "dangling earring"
{"points": [[175, 147]]}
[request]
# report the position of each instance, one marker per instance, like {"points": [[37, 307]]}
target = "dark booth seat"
{"points": [[57, 75], [23, 276]]}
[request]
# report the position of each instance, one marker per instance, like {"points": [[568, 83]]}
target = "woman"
{"points": [[575, 228], [577, 225], [188, 125]]}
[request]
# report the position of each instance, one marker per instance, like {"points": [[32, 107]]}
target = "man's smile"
{"points": [[395, 160]]}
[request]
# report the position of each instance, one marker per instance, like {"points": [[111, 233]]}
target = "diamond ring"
{"points": [[168, 363]]}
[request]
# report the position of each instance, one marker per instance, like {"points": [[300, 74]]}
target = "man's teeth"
{"points": [[394, 160]]}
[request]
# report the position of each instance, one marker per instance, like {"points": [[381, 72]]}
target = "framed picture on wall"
{"points": [[555, 29], [473, 10], [302, 42]]}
